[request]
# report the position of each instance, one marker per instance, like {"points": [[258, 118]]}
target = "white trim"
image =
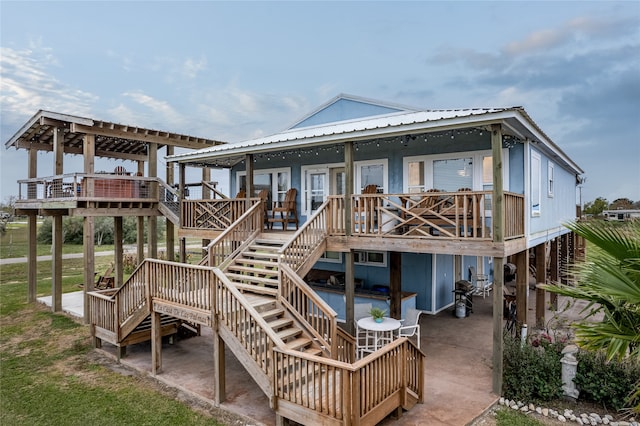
{"points": [[330, 260], [476, 156], [357, 165], [274, 182], [551, 182], [535, 212], [382, 264]]}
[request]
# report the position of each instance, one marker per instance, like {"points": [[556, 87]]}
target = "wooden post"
{"points": [[170, 229], [156, 343], [56, 264], [140, 225], [564, 258], [219, 384], [118, 252], [349, 285], [498, 262], [183, 249], [554, 273], [88, 225], [206, 194], [522, 286], [541, 278], [152, 225], [32, 225], [57, 242], [395, 284], [248, 161]]}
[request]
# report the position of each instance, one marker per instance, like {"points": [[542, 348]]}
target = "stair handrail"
{"points": [[234, 311], [315, 315], [364, 387], [213, 189], [295, 252], [232, 240], [169, 197], [127, 299]]}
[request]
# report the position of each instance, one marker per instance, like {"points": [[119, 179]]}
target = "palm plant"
{"points": [[610, 282]]}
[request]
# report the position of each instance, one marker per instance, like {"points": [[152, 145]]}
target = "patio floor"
{"points": [[457, 369]]}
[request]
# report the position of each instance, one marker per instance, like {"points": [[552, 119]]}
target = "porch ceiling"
{"points": [[112, 140]]}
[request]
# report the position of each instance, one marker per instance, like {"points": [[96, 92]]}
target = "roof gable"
{"points": [[345, 107]]}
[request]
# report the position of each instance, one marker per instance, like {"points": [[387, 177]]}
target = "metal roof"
{"points": [[515, 121], [112, 140]]}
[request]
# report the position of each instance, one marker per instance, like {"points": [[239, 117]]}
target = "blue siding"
{"points": [[444, 281], [416, 278], [345, 109], [516, 169]]}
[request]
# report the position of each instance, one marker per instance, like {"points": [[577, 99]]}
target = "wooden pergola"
{"points": [[69, 134]]}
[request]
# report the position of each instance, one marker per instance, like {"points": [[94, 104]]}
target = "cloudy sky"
{"points": [[234, 71]]}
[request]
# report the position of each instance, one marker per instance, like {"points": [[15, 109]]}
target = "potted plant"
{"points": [[377, 314]]}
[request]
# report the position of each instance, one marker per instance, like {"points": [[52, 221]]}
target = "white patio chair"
{"points": [[361, 310], [411, 325], [480, 282]]}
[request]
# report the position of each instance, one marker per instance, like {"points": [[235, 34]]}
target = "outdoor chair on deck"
{"points": [[105, 281], [361, 310], [241, 194], [411, 325], [480, 282], [264, 196], [287, 209]]}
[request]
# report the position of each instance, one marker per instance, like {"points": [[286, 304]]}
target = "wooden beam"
{"points": [[170, 230], [219, 368], [349, 177], [144, 135], [541, 278], [140, 225], [395, 284], [152, 221], [118, 252], [156, 343], [79, 151], [349, 291], [248, 160], [32, 223], [498, 262], [522, 286], [88, 250], [56, 264]]}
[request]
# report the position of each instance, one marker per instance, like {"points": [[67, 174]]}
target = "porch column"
{"points": [[56, 260], [182, 185], [140, 225], [170, 238], [349, 285], [553, 273], [395, 284], [156, 343], [152, 223], [32, 224], [88, 223], [206, 194], [522, 286], [498, 262], [248, 161], [541, 278], [219, 386]]}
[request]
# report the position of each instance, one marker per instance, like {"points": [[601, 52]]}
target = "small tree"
{"points": [[596, 207]]}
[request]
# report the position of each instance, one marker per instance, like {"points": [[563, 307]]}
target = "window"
{"points": [[371, 258], [276, 181], [416, 177], [535, 183], [550, 179], [371, 173], [331, 256], [452, 174]]}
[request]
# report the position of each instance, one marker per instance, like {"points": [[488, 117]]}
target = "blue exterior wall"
{"points": [[416, 278], [516, 169], [344, 109]]}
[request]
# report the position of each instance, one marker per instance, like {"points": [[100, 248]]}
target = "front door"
{"points": [[316, 189]]}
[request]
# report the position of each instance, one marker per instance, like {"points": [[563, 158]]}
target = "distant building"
{"points": [[621, 215]]}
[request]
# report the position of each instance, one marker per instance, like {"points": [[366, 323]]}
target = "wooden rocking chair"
{"points": [[264, 196], [105, 281], [287, 209]]}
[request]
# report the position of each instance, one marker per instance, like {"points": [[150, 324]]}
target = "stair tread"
{"points": [[257, 289], [244, 261], [272, 313], [298, 343], [279, 323], [289, 332], [252, 279], [252, 269]]}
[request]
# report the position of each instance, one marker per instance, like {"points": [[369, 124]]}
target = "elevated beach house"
{"points": [[359, 203]]}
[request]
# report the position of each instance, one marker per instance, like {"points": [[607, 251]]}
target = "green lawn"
{"points": [[47, 372]]}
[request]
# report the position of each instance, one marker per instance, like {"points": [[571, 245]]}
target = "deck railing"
{"points": [[181, 283], [212, 214], [453, 215], [245, 323], [88, 187], [310, 237], [317, 317], [361, 393], [243, 230]]}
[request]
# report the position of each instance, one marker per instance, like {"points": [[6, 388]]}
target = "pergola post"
{"points": [[56, 231], [152, 225], [498, 262], [118, 252], [206, 194], [88, 223], [182, 191], [140, 225], [248, 160], [32, 225]]}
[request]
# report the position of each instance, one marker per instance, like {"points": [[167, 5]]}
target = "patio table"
{"points": [[378, 333]]}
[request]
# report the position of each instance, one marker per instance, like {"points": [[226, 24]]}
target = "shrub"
{"points": [[532, 373], [607, 383]]}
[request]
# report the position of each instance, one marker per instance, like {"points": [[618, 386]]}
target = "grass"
{"points": [[510, 417], [47, 375]]}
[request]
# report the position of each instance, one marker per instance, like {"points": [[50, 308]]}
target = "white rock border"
{"points": [[567, 415]]}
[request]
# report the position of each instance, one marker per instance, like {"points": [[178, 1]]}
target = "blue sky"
{"points": [[237, 70]]}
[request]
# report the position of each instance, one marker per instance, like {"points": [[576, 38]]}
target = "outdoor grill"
{"points": [[464, 296]]}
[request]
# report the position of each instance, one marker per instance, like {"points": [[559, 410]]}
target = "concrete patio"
{"points": [[457, 370]]}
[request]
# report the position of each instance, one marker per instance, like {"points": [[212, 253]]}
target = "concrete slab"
{"points": [[458, 367]]}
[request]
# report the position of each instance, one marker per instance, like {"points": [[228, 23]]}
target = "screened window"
{"points": [[372, 174], [550, 182], [372, 258], [276, 181]]}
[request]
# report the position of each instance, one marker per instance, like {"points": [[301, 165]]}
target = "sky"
{"points": [[233, 71]]}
